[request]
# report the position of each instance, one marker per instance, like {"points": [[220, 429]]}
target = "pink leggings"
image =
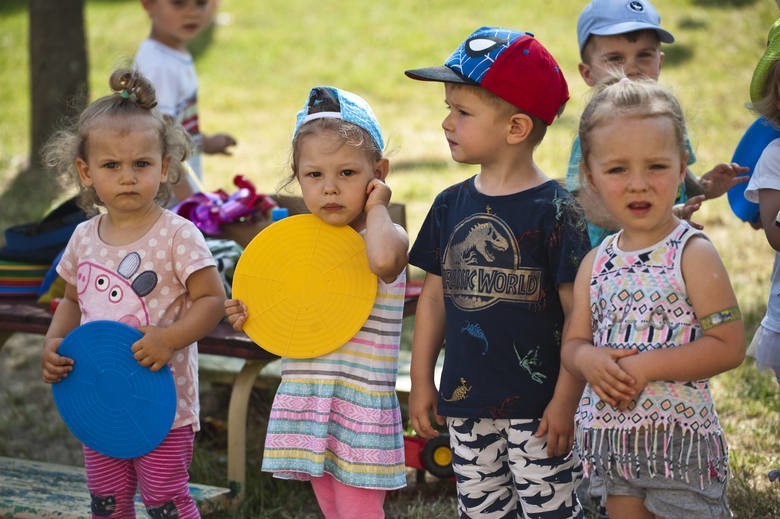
{"points": [[161, 475], [340, 501]]}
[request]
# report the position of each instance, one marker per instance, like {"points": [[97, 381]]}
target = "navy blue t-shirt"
{"points": [[501, 260]]}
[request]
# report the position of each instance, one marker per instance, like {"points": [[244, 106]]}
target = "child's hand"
{"points": [[633, 366], [218, 143], [236, 313], [608, 379], [378, 194], [558, 424], [686, 210], [54, 367], [154, 349], [722, 178], [422, 403]]}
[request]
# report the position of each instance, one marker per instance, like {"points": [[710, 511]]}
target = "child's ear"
{"points": [[587, 176], [587, 74], [166, 163], [381, 168], [520, 127], [83, 168]]}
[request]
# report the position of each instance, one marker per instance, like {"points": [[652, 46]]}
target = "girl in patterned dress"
{"points": [[335, 419], [654, 317]]}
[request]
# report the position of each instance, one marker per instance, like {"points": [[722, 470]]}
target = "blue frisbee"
{"points": [[111, 403], [751, 145]]}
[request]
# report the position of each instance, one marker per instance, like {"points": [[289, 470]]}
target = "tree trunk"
{"points": [[58, 66], [58, 90]]}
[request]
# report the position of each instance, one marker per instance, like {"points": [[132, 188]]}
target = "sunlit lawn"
{"points": [[258, 63]]}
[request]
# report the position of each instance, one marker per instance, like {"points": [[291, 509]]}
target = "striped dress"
{"points": [[339, 413]]}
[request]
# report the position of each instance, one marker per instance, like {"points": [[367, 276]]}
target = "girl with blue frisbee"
{"points": [[140, 264]]}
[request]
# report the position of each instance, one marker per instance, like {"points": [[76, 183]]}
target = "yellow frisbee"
{"points": [[306, 285]]}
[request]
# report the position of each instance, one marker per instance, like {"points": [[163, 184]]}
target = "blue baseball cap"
{"points": [[328, 101], [610, 17], [512, 65]]}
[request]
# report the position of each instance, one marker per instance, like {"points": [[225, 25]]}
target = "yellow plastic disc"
{"points": [[306, 285]]}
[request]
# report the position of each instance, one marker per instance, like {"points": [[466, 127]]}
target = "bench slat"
{"points": [[47, 490]]}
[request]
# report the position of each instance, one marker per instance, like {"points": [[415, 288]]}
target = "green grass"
{"points": [[258, 63]]}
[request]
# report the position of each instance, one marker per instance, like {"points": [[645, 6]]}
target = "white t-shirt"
{"points": [[172, 73], [766, 175]]}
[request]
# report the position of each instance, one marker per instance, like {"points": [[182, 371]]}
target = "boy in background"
{"points": [[500, 251], [164, 58], [626, 35]]}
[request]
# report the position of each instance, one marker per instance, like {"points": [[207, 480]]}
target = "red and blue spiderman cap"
{"points": [[512, 65]]}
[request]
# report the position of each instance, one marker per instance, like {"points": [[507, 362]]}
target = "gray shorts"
{"points": [[765, 348], [668, 497]]}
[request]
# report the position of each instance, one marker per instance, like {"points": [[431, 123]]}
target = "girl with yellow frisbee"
{"points": [[335, 419]]}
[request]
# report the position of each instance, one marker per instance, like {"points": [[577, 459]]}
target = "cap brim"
{"points": [[626, 27], [443, 74]]}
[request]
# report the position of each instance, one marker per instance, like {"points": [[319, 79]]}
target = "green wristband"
{"points": [[721, 317]]}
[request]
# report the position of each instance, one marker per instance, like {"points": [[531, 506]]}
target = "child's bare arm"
{"points": [[218, 143], [722, 344], [156, 347], [426, 345], [721, 178], [55, 367], [558, 417], [386, 243]]}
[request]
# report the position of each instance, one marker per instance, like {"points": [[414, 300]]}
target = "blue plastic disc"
{"points": [[109, 402], [751, 145]]}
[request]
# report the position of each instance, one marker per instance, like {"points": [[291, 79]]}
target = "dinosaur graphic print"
{"points": [[482, 265]]}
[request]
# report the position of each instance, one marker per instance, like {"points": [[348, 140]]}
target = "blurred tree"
{"points": [[58, 89]]}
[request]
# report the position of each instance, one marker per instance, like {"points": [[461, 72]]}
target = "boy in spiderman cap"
{"points": [[500, 251]]}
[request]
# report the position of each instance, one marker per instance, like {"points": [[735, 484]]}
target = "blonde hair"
{"points": [[351, 135], [618, 97], [767, 106], [133, 95]]}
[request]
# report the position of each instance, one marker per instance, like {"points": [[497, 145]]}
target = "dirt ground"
{"points": [[30, 426]]}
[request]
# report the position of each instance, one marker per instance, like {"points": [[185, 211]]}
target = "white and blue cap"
{"points": [[610, 17], [328, 101]]}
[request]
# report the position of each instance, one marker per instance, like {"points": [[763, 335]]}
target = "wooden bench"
{"points": [[244, 359]]}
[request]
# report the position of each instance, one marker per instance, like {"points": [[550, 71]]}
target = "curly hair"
{"points": [[133, 95]]}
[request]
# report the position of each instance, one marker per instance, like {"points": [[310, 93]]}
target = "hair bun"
{"points": [[132, 85]]}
